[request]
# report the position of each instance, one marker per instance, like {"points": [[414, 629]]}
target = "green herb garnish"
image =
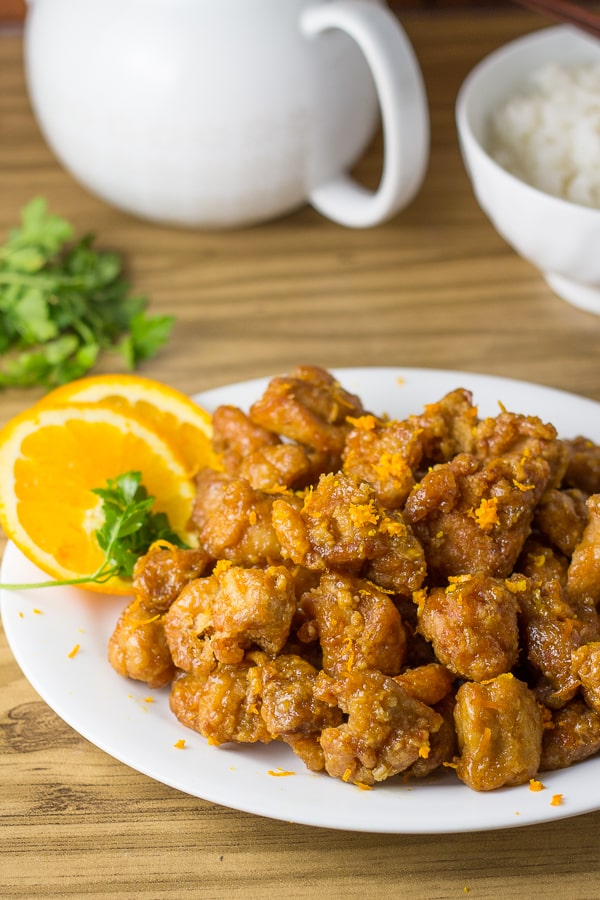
{"points": [[62, 303], [129, 529]]}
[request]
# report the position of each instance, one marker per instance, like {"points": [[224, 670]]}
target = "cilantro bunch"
{"points": [[62, 303]]}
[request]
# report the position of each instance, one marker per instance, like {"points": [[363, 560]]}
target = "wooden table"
{"points": [[436, 288]]}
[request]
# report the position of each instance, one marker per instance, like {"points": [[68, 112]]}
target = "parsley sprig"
{"points": [[63, 303], [129, 528]]}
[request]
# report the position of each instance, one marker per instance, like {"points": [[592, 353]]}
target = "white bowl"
{"points": [[560, 238]]}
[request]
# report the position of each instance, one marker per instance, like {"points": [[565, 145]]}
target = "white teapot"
{"points": [[225, 113]]}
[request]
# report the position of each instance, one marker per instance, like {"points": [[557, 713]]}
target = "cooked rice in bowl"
{"points": [[548, 134]]}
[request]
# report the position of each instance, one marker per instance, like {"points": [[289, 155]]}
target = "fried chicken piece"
{"points": [[233, 520], [256, 454], [386, 732], [472, 625], [311, 408], [442, 743], [560, 517], [252, 606], [446, 427], [541, 562], [341, 526], [138, 647], [583, 465], [289, 708], [161, 574], [358, 625], [385, 454], [474, 517], [222, 706], [188, 627], [516, 434], [585, 662], [236, 436], [550, 631], [583, 580], [499, 727], [429, 683], [574, 735], [219, 617]]}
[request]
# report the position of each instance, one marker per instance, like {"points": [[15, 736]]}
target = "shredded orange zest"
{"points": [[539, 560], [347, 774], [516, 587], [367, 423], [180, 744], [221, 566], [424, 751], [277, 773], [362, 786], [450, 765], [148, 699], [213, 742], [557, 799], [364, 514], [391, 526], [74, 651], [523, 487], [252, 517], [486, 514], [391, 465], [21, 615], [38, 612], [535, 785], [460, 579]]}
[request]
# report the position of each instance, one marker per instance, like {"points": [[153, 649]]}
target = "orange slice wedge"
{"points": [[50, 460], [181, 421]]}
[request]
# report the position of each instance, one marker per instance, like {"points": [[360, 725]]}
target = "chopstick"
{"points": [[566, 11]]}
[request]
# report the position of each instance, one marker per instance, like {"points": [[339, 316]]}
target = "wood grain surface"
{"points": [[437, 287]]}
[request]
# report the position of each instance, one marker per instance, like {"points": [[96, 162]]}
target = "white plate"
{"points": [[43, 626]]}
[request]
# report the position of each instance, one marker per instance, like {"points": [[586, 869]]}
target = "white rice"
{"points": [[549, 134]]}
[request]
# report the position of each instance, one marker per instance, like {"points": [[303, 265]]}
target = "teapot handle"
{"points": [[404, 113]]}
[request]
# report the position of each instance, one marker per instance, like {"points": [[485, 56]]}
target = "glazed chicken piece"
{"points": [[222, 706], [583, 579], [472, 625], [474, 517], [161, 574], [550, 631], [442, 743], [289, 708], [358, 625], [499, 726], [138, 647], [561, 517], [219, 617], [387, 730], [251, 452], [236, 436], [446, 427], [526, 436], [574, 735], [429, 683], [585, 663], [583, 465], [385, 454], [341, 526], [233, 519], [188, 627], [252, 607], [311, 408]]}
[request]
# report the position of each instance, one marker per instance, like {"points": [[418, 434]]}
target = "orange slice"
{"points": [[50, 460], [173, 414]]}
